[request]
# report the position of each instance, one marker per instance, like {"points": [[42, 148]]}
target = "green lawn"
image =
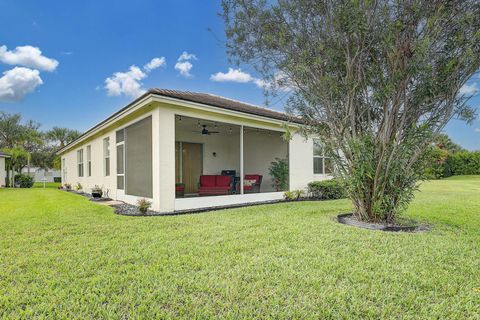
{"points": [[64, 257], [47, 185]]}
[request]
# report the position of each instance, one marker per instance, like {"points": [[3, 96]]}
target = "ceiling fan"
{"points": [[205, 131]]}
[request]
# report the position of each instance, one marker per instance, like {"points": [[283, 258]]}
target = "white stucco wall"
{"points": [[259, 151], [301, 163], [98, 177], [3, 173]]}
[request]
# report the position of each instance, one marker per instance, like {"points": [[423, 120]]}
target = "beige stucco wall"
{"points": [[256, 149], [301, 163], [260, 149], [70, 171], [3, 173]]}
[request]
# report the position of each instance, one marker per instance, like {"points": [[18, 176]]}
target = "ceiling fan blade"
{"points": [[213, 131]]}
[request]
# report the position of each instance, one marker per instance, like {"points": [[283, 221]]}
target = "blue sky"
{"points": [[84, 43]]}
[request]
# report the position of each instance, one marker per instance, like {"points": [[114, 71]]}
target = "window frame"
{"points": [[106, 156], [89, 160], [80, 167], [118, 144], [321, 156]]}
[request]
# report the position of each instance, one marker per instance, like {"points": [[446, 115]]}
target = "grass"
{"points": [[64, 257], [47, 184]]}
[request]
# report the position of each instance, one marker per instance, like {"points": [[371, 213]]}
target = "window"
{"points": [[89, 161], [106, 156], [120, 159], [64, 171], [321, 164], [80, 162]]}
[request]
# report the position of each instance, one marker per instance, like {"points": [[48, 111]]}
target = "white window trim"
{"points": [[124, 160], [81, 172], [106, 155], [89, 160], [323, 157]]}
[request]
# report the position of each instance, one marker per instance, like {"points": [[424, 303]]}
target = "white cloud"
{"points": [[187, 56], [127, 83], [184, 68], [154, 64], [16, 83], [477, 130], [184, 65], [232, 75], [237, 75], [27, 56], [469, 89]]}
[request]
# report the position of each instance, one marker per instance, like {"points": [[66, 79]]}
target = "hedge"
{"points": [[23, 181], [462, 163], [327, 189]]}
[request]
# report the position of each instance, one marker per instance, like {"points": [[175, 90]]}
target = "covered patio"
{"points": [[221, 164]]}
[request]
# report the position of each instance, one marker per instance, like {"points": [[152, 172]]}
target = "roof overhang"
{"points": [[149, 97]]}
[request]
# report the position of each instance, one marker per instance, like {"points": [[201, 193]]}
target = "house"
{"points": [[3, 169], [186, 150], [42, 174]]}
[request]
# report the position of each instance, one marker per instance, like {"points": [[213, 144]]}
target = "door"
{"points": [[189, 164]]}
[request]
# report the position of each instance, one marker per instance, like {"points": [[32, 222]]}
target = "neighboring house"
{"points": [[185, 150], [3, 169], [43, 175]]}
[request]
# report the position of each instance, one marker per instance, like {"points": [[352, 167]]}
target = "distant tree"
{"points": [[11, 130], [444, 142], [62, 136], [376, 80], [18, 159], [44, 158]]}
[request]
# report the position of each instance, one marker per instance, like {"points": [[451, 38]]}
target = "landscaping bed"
{"points": [[408, 226]]}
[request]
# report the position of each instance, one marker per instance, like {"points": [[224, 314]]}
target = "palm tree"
{"points": [[11, 130], [62, 136], [58, 135]]}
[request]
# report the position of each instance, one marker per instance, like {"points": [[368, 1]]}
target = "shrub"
{"points": [[462, 163], [279, 172], [327, 189], [78, 186], [23, 180], [143, 205], [294, 195], [436, 159], [67, 186], [57, 179]]}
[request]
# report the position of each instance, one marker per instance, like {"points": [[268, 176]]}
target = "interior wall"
{"points": [[225, 146], [259, 150]]}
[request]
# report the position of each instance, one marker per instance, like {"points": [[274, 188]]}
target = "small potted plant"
{"points": [[78, 187], [97, 192], [68, 186], [143, 205]]}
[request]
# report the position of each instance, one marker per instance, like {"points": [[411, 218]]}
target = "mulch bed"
{"points": [[351, 220]]}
